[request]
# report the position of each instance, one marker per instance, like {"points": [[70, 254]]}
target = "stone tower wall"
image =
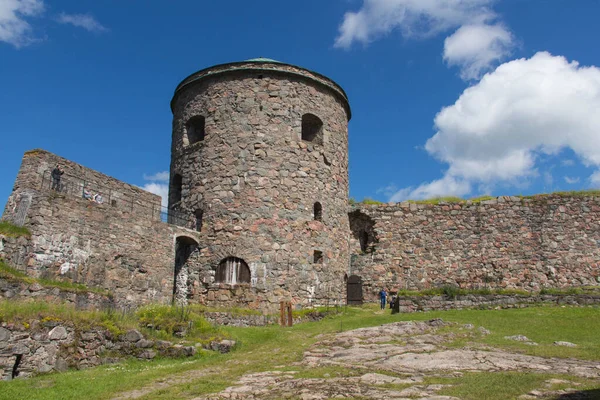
{"points": [[257, 181], [549, 241]]}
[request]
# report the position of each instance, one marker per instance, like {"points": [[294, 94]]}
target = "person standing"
{"points": [[383, 297], [56, 174]]}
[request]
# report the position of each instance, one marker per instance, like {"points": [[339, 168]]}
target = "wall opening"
{"points": [[175, 192], [15, 368], [232, 270], [184, 248], [364, 237], [318, 212], [318, 257], [312, 129], [194, 130], [364, 241], [199, 214]]}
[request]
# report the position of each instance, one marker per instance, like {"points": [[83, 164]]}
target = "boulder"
{"points": [[57, 333], [4, 335], [133, 336]]}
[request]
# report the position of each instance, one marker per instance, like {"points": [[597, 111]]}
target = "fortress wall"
{"points": [[547, 241], [130, 253], [38, 164]]}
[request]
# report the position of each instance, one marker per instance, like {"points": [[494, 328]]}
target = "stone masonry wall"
{"points": [[45, 346], [16, 289], [410, 304], [128, 253], [35, 171], [509, 242], [256, 182]]}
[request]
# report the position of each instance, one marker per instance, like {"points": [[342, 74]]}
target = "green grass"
{"points": [[501, 385], [166, 321], [31, 312], [8, 229], [437, 200], [370, 201], [275, 348]]}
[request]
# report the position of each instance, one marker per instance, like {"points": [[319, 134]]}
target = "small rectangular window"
{"points": [[318, 257]]}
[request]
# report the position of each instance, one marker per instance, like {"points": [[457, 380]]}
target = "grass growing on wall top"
{"points": [[156, 321], [479, 199], [10, 273], [8, 229]]}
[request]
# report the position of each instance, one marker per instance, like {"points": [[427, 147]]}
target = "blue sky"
{"points": [[449, 97]]}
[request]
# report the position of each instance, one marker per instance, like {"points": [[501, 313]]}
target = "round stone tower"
{"points": [[259, 167]]}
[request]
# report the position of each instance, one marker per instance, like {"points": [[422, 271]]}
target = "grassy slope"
{"points": [[257, 347]]}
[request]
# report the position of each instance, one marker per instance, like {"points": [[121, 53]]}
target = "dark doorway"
{"points": [[184, 247], [354, 293]]}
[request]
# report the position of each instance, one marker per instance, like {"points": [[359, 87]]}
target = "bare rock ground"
{"points": [[391, 362]]}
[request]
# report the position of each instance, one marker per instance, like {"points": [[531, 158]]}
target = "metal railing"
{"points": [[75, 186]]}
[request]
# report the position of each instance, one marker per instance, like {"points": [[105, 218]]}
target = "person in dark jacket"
{"points": [[382, 297], [56, 174]]}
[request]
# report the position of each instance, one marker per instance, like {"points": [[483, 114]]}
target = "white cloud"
{"points": [[161, 189], [548, 178], [497, 128], [85, 21], [162, 176], [446, 186], [388, 190], [474, 47], [571, 181], [595, 178], [159, 185], [14, 29]]}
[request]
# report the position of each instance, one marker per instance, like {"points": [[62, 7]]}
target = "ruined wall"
{"points": [[257, 181], [121, 249], [409, 304], [35, 174], [19, 289], [509, 242], [27, 349]]}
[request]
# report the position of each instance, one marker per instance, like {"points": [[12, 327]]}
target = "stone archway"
{"points": [[184, 247]]}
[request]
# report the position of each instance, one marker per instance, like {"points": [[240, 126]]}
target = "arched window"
{"points": [[232, 270], [175, 192], [194, 130], [312, 129], [318, 211]]}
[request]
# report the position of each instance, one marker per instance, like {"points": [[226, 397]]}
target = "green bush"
{"points": [[450, 291]]}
